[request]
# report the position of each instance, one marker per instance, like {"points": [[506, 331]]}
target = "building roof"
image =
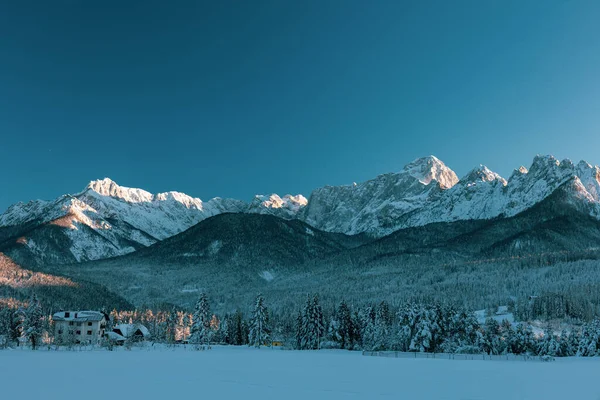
{"points": [[115, 336], [128, 330], [78, 316]]}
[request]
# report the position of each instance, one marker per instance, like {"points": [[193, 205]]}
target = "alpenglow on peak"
{"points": [[426, 169], [108, 187]]}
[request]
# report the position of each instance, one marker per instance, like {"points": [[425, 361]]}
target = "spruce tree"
{"points": [[589, 341], [201, 332], [171, 326], [18, 325], [33, 322], [259, 323], [342, 326]]}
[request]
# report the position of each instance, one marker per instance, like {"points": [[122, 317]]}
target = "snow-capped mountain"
{"points": [[427, 191], [159, 215], [375, 206], [104, 220], [107, 220], [287, 207]]}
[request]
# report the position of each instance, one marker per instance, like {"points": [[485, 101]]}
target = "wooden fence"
{"points": [[451, 356]]}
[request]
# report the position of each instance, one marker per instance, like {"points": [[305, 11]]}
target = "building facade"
{"points": [[85, 327]]}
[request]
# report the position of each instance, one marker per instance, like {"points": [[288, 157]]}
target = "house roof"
{"points": [[115, 336], [128, 330], [78, 316]]}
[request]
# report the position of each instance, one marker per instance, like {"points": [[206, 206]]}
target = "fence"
{"points": [[451, 356]]}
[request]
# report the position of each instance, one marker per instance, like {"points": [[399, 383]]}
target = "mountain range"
{"points": [[422, 214]]}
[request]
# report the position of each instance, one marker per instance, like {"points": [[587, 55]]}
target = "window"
{"points": [[71, 323], [79, 332], [89, 324], [89, 332], [60, 331], [70, 332], [67, 314]]}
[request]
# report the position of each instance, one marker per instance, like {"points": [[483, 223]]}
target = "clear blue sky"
{"points": [[234, 98]]}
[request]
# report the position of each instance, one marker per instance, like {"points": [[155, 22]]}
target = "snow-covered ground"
{"points": [[227, 373], [500, 315]]}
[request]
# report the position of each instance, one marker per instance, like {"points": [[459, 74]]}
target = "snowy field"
{"points": [[236, 373]]}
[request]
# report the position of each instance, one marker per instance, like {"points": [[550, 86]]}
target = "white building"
{"points": [[79, 326]]}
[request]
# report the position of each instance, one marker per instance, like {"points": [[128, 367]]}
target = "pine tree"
{"points": [[548, 345], [238, 334], [186, 326], [377, 332], [423, 338], [310, 326], [5, 325], [300, 333], [33, 322], [315, 324], [589, 341], [201, 332], [171, 326], [523, 340], [18, 325], [491, 337], [569, 344], [341, 327], [225, 331], [259, 322]]}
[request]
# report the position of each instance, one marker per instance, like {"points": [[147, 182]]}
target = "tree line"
{"points": [[413, 327]]}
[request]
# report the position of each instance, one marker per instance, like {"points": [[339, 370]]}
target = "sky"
{"points": [[235, 98]]}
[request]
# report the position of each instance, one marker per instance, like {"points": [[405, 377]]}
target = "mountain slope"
{"points": [[234, 256], [227, 253], [247, 240], [374, 206], [105, 220], [561, 223], [56, 292], [426, 191], [108, 220]]}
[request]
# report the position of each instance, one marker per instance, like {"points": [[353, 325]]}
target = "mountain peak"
{"points": [[274, 201], [483, 174], [543, 162], [109, 188], [427, 169]]}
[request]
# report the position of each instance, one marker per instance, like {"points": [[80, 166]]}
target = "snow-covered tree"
{"points": [[341, 329], [259, 323], [548, 345], [569, 343], [589, 341], [491, 337], [310, 325], [33, 323], [171, 326], [201, 331], [378, 330], [18, 324], [522, 341]]}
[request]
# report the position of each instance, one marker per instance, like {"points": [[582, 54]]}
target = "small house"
{"points": [[116, 338], [135, 332]]}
